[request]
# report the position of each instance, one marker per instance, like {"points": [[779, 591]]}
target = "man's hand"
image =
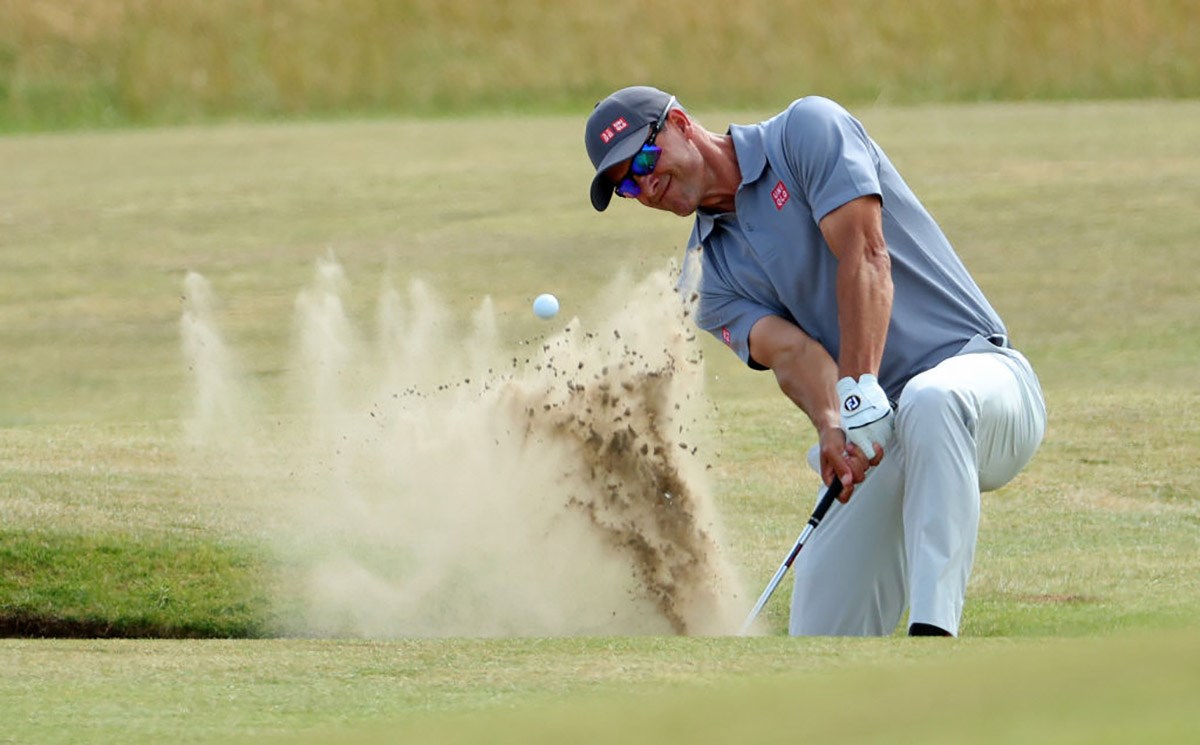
{"points": [[837, 460], [805, 373], [867, 417]]}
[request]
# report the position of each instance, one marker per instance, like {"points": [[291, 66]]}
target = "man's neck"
{"points": [[725, 175]]}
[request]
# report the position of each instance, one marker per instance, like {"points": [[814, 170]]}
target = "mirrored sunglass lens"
{"points": [[628, 188], [644, 162]]}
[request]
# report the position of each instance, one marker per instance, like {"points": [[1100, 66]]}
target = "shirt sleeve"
{"points": [[830, 154], [727, 315]]}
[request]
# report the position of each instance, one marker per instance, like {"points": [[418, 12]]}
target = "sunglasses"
{"points": [[644, 160]]}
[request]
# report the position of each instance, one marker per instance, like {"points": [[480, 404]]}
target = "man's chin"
{"points": [[680, 209]]}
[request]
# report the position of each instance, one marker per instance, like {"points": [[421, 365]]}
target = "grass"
{"points": [[220, 690], [1132, 686], [1075, 218], [112, 62], [1042, 693], [114, 585]]}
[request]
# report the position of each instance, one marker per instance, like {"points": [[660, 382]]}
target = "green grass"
{"points": [[114, 585], [1075, 218], [1135, 687], [219, 690]]}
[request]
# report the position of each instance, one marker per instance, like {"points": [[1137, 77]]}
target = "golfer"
{"points": [[812, 258]]}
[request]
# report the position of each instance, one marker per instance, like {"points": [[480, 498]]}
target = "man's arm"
{"points": [[854, 233], [807, 375]]}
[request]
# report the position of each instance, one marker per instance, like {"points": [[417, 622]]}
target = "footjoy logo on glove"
{"points": [[852, 403]]}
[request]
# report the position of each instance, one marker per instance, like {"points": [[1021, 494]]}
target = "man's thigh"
{"points": [[998, 397]]}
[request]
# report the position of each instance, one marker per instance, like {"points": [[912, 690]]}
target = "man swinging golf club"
{"points": [[812, 258]]}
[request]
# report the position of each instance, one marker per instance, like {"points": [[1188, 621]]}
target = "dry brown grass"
{"points": [[95, 61]]}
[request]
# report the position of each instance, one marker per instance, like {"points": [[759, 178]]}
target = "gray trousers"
{"points": [[906, 538]]}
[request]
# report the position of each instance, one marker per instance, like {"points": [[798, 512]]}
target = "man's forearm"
{"points": [[807, 375], [854, 233], [864, 293]]}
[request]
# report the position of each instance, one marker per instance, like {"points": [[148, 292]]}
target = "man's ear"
{"points": [[680, 119]]}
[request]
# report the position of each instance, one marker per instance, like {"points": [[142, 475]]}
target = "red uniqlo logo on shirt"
{"points": [[726, 336], [780, 195]]}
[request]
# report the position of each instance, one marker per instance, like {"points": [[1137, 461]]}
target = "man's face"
{"points": [[674, 185]]}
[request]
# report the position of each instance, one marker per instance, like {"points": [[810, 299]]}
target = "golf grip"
{"points": [[818, 515]]}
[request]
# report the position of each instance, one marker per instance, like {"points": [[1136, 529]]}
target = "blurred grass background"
{"points": [[86, 63]]}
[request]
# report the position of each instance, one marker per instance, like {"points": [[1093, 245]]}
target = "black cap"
{"points": [[616, 130]]}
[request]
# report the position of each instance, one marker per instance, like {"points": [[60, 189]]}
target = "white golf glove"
{"points": [[867, 417]]}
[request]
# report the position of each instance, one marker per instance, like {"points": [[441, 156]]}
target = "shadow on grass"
{"points": [[33, 625]]}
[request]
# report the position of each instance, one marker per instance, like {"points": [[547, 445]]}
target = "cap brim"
{"points": [[602, 188]]}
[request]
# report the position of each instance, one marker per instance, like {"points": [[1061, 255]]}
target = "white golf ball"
{"points": [[545, 306]]}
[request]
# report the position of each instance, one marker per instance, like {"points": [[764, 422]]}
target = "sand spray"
{"points": [[424, 480]]}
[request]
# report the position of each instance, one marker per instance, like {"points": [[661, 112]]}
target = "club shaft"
{"points": [[817, 516]]}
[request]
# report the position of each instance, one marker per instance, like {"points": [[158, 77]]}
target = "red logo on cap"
{"points": [[620, 125], [726, 336], [779, 195]]}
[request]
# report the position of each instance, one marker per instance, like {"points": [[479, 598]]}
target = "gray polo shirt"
{"points": [[768, 256]]}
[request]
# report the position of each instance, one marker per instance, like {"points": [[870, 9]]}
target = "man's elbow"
{"points": [[788, 360]]}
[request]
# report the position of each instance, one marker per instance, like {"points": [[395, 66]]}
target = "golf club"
{"points": [[818, 514]]}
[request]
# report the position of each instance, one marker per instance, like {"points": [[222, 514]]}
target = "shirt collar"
{"points": [[751, 157]]}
